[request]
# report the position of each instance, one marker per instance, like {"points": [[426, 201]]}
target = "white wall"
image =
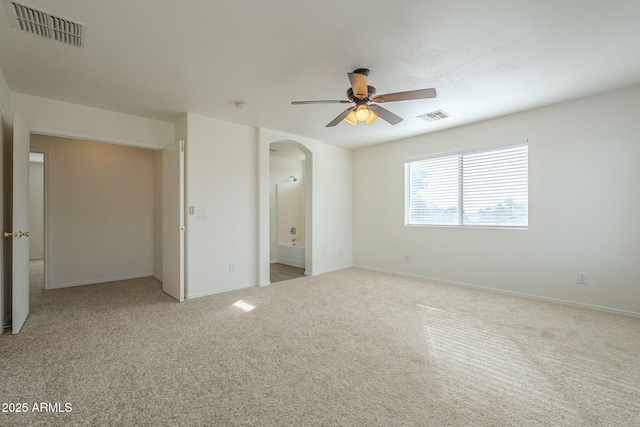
{"points": [[36, 210], [221, 182], [334, 218], [100, 213], [583, 205], [290, 213], [280, 170], [50, 117]]}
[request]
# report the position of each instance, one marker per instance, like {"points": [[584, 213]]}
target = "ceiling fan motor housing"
{"points": [[371, 93], [364, 71]]}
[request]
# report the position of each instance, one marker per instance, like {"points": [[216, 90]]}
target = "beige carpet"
{"points": [[352, 347]]}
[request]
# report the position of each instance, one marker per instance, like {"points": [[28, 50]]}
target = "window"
{"points": [[481, 188]]}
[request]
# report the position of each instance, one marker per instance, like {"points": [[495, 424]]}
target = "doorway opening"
{"points": [[287, 211], [36, 221], [99, 211]]}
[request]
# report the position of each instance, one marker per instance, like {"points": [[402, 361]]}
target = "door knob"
{"points": [[18, 234]]}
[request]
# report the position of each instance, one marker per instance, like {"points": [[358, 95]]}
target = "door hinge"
{"points": [[182, 145], [182, 228]]}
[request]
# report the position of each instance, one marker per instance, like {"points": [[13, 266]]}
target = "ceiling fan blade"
{"points": [[385, 114], [406, 96], [340, 117], [328, 101], [359, 85]]}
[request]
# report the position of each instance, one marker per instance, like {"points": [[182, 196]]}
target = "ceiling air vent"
{"points": [[434, 116], [42, 23]]}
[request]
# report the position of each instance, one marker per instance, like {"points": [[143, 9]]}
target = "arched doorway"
{"points": [[266, 139], [287, 225]]}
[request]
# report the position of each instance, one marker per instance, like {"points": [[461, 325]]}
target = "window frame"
{"points": [[460, 154]]}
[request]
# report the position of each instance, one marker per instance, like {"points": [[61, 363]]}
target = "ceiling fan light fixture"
{"points": [[351, 118], [372, 117], [363, 113]]}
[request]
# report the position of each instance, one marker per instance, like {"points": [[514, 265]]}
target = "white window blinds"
{"points": [[482, 188]]}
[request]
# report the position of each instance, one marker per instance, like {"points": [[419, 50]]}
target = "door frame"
{"points": [[45, 194], [173, 221]]}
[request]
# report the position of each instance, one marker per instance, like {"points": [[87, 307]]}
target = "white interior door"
{"points": [[2, 254], [173, 220], [20, 223]]}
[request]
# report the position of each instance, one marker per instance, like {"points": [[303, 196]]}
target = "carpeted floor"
{"points": [[351, 347]]}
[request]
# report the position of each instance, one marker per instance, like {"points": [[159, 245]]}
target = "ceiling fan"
{"points": [[365, 99]]}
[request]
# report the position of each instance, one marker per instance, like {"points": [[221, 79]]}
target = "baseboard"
{"points": [[218, 291], [294, 262], [329, 270], [502, 291], [93, 282], [38, 258], [158, 277], [266, 283]]}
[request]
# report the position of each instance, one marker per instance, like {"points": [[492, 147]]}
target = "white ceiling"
{"points": [[159, 58]]}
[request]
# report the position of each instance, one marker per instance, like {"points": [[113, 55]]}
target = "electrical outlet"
{"points": [[407, 258], [582, 279], [232, 267]]}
